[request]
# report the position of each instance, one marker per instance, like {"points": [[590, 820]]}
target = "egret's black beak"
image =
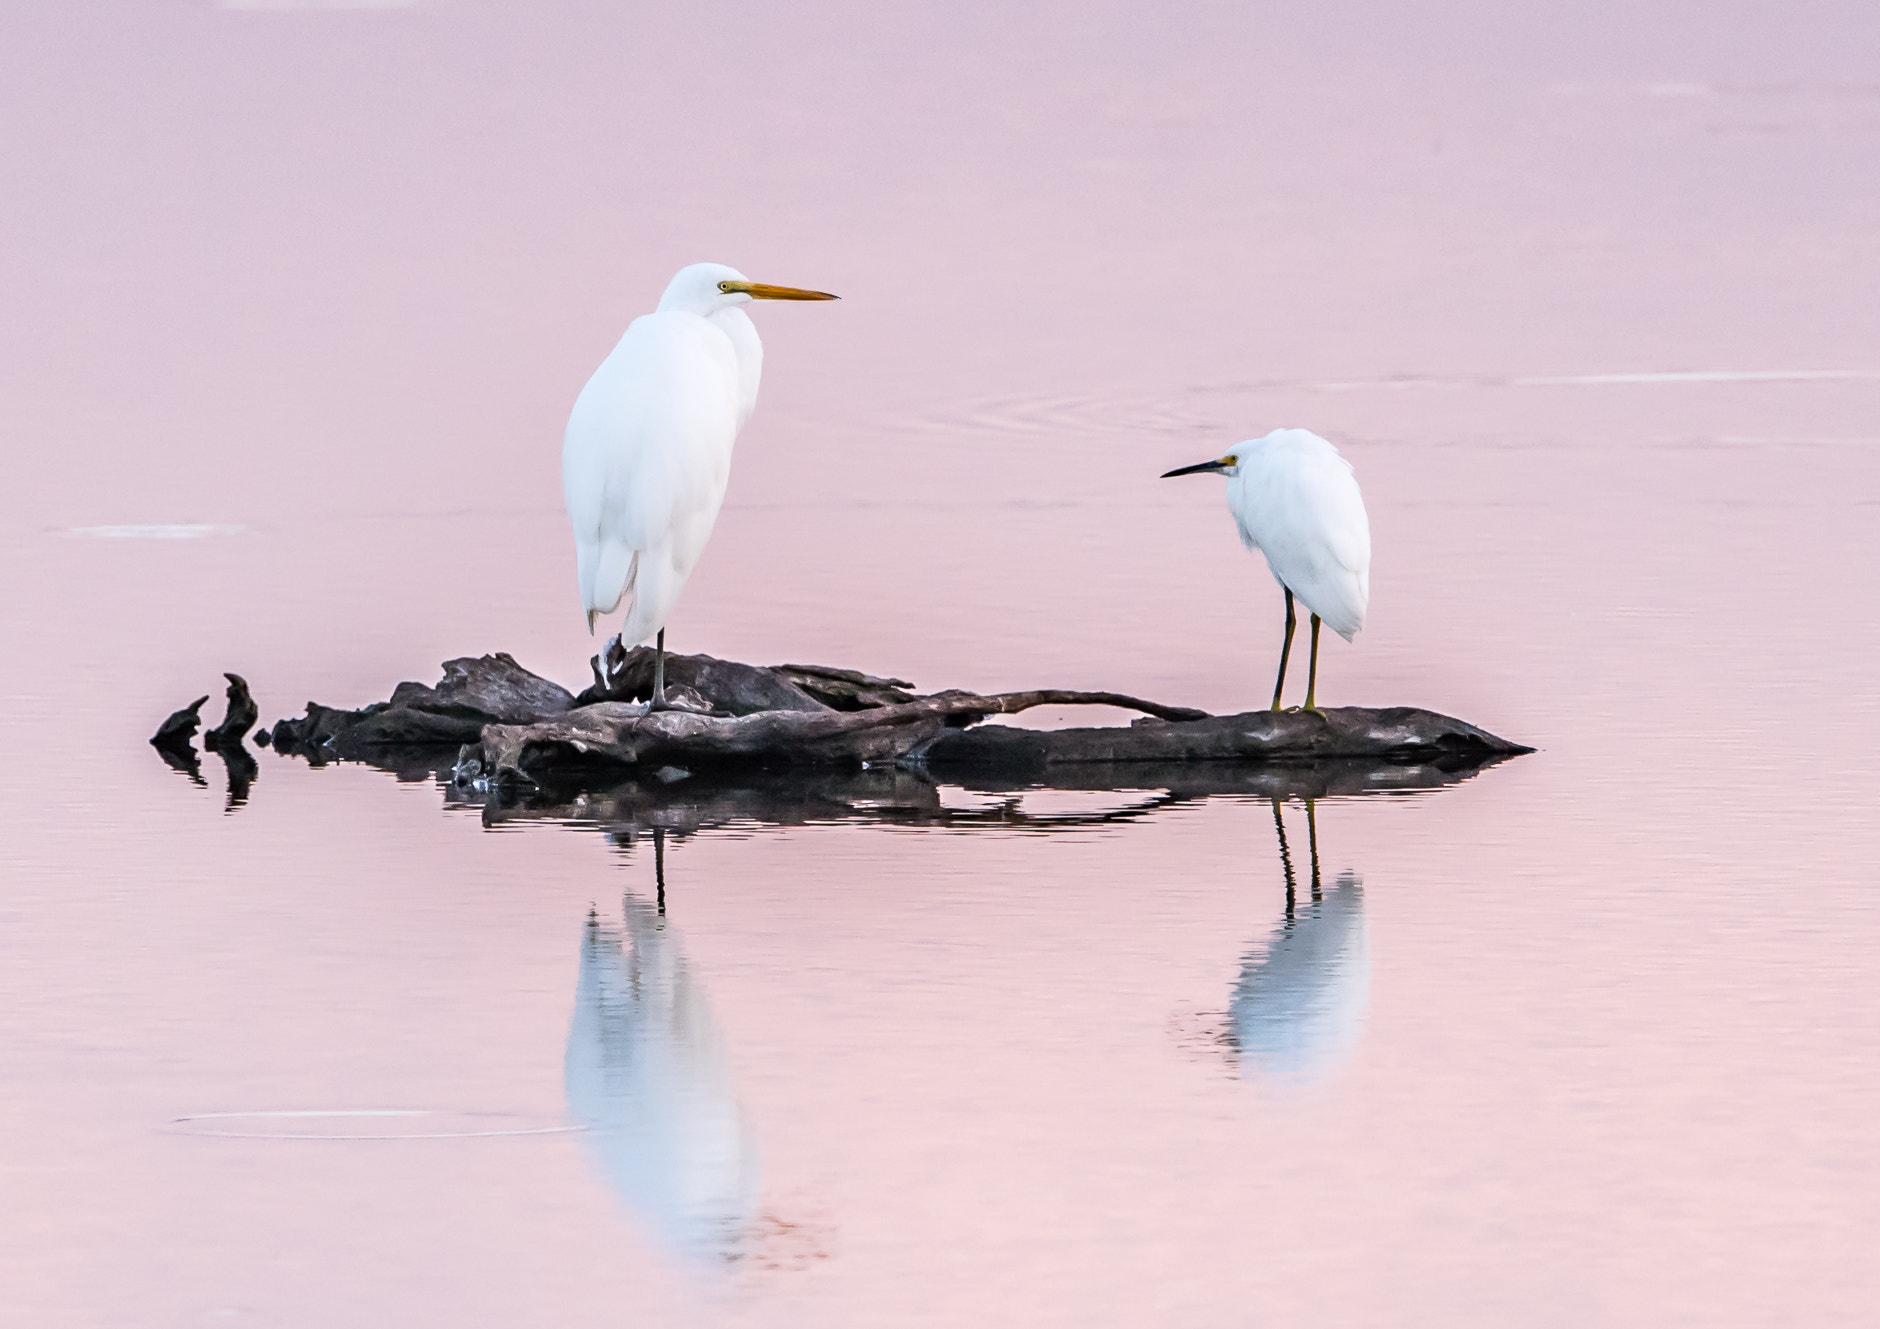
{"points": [[1218, 464]]}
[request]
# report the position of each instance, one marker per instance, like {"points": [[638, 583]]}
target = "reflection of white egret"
{"points": [[1295, 500], [1300, 1001], [647, 453], [647, 1070]]}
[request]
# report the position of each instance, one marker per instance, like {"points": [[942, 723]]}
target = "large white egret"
{"points": [[1296, 501], [647, 454]]}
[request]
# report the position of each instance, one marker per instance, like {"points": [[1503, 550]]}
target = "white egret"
{"points": [[647, 454], [1296, 501]]}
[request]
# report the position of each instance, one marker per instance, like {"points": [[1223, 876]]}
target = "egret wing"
{"points": [[646, 459], [1297, 501]]}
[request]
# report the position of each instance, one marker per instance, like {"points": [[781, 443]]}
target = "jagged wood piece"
{"points": [[626, 734], [696, 682], [239, 719], [176, 731], [474, 692], [517, 728]]}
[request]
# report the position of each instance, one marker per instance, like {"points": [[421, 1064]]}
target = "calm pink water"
{"points": [[1589, 302]]}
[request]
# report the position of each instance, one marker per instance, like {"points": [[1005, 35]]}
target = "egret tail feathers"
{"points": [[1339, 597], [606, 572], [1354, 600], [656, 586]]}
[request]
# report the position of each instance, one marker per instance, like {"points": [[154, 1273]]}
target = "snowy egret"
{"points": [[647, 454], [1296, 501]]}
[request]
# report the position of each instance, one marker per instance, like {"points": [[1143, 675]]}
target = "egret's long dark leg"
{"points": [[1312, 840], [1285, 650], [659, 670], [1285, 861], [659, 866], [1312, 674]]}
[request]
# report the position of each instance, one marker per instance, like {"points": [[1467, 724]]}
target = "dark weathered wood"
{"points": [[627, 734], [176, 731], [845, 689], [708, 683], [474, 692], [239, 718], [518, 729], [491, 687], [1397, 733]]}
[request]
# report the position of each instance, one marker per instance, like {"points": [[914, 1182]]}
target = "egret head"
{"points": [[706, 288], [1228, 465]]}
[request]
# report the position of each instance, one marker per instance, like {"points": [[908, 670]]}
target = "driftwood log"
{"points": [[518, 730]]}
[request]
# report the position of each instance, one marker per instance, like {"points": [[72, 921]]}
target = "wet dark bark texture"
{"points": [[519, 729]]}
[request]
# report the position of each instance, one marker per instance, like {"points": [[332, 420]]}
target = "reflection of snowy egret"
{"points": [[647, 454], [1300, 1001], [647, 1070], [1295, 500]]}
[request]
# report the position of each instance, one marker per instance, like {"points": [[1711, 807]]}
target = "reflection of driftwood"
{"points": [[521, 729], [893, 796]]}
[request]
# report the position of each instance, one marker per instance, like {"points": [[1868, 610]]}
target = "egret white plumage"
{"points": [[1296, 501], [647, 453]]}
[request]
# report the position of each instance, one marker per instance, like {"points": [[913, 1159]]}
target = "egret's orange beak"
{"points": [[758, 290]]}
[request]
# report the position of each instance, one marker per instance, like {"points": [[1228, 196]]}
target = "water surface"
{"points": [[298, 298]]}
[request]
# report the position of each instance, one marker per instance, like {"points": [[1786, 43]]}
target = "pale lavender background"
{"points": [[333, 275]]}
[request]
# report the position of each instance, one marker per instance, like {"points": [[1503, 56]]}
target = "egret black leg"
{"points": [[1285, 862], [1312, 841], [1285, 650], [1312, 674], [659, 670]]}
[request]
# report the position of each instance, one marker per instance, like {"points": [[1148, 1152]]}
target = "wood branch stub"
{"points": [[239, 719], [176, 731], [845, 689], [720, 685]]}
